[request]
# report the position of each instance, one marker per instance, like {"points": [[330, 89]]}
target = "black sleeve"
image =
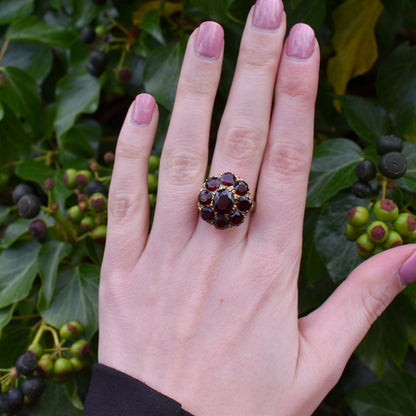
{"points": [[112, 393]]}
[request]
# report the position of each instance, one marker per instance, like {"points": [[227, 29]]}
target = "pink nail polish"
{"points": [[143, 108], [407, 271], [268, 14], [209, 40], [301, 41]]}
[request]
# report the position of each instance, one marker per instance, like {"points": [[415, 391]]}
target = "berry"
{"points": [[154, 162], [361, 189], [33, 387], [87, 224], [392, 165], [405, 224], [49, 184], [3, 404], [45, 366], [3, 80], [96, 186], [352, 233], [387, 144], [75, 214], [77, 364], [71, 331], [38, 228], [80, 349], [36, 349], [394, 239], [21, 190], [62, 367], [124, 74], [365, 170], [99, 234], [364, 245], [87, 34], [357, 216], [101, 30], [13, 401], [28, 206], [152, 200], [377, 249], [378, 231], [83, 178], [97, 202], [69, 178], [386, 210], [152, 183], [97, 62], [26, 364], [109, 158]]}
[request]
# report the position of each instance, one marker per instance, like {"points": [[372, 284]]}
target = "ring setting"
{"points": [[224, 201]]}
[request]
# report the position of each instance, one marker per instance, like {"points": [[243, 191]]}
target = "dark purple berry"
{"points": [[28, 206], [14, 400], [361, 189], [98, 202], [365, 170], [37, 229], [33, 387], [96, 63], [95, 186], [87, 34], [392, 165], [49, 184], [21, 190], [387, 144], [124, 74], [26, 364]]}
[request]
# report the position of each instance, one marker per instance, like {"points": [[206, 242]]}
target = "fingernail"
{"points": [[209, 40], [407, 271], [143, 108], [268, 14], [301, 41]]}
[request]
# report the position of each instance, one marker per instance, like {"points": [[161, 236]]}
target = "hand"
{"points": [[209, 317]]}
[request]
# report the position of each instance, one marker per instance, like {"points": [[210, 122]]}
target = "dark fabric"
{"points": [[112, 393]]}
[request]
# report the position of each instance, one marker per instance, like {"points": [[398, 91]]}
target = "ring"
{"points": [[224, 201]]}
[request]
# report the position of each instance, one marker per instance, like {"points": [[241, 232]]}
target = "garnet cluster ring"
{"points": [[224, 201]]}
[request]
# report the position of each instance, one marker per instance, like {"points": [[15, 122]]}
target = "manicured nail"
{"points": [[301, 41], [268, 14], [209, 40], [143, 108], [407, 271]]}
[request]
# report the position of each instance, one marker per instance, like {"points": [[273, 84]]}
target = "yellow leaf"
{"points": [[170, 7], [354, 41]]}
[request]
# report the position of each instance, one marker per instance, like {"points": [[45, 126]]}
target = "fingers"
{"points": [[185, 152], [283, 180], [128, 204], [330, 334]]}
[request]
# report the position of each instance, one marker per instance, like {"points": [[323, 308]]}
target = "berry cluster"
{"points": [[25, 382], [391, 166]]}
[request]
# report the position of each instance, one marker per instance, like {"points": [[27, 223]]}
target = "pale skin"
{"points": [[209, 317]]}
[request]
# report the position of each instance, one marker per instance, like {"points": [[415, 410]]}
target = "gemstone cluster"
{"points": [[224, 201]]}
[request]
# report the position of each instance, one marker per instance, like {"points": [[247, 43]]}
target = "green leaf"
{"points": [[14, 231], [332, 169], [13, 9], [339, 255], [38, 172], [35, 59], [6, 316], [216, 9], [151, 25], [75, 297], [366, 117], [13, 342], [392, 396], [161, 72], [22, 95], [49, 259], [33, 29], [388, 338], [17, 272], [396, 88], [4, 213], [306, 11], [80, 143], [75, 94], [408, 181]]}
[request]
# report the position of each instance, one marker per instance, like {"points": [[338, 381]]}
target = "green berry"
{"points": [[87, 224], [152, 200], [364, 245], [97, 202], [77, 364], [75, 214], [69, 178], [154, 162], [394, 239], [377, 249], [352, 233], [378, 231], [45, 366], [71, 331], [36, 349], [83, 178], [357, 216], [80, 349], [405, 224], [392, 165], [28, 206], [386, 210], [152, 183], [62, 367], [101, 30]]}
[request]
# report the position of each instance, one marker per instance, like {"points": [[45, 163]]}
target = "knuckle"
{"points": [[130, 150], [122, 205], [196, 86], [294, 85], [258, 58]]}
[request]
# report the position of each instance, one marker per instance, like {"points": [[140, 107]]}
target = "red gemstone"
{"points": [[205, 197], [244, 203], [241, 188], [212, 184], [227, 179], [207, 214], [236, 218], [223, 201], [221, 222]]}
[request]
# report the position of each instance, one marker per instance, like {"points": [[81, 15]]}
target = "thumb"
{"points": [[329, 335]]}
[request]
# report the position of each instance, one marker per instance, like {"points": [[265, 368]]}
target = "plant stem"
{"points": [[4, 48], [40, 332], [18, 318]]}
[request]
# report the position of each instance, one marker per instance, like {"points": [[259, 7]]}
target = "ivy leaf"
{"points": [[31, 28], [408, 181], [49, 259], [22, 95], [38, 172], [161, 72], [339, 255], [218, 10], [4, 213], [14, 231], [6, 316], [13, 342], [354, 41], [17, 272], [306, 11], [75, 297], [13, 9], [151, 25], [332, 169], [366, 117], [388, 337], [75, 94], [396, 87], [394, 395]]}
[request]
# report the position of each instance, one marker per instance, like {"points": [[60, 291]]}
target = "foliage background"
{"points": [[55, 115]]}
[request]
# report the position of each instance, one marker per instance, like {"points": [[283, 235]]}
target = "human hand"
{"points": [[209, 317]]}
